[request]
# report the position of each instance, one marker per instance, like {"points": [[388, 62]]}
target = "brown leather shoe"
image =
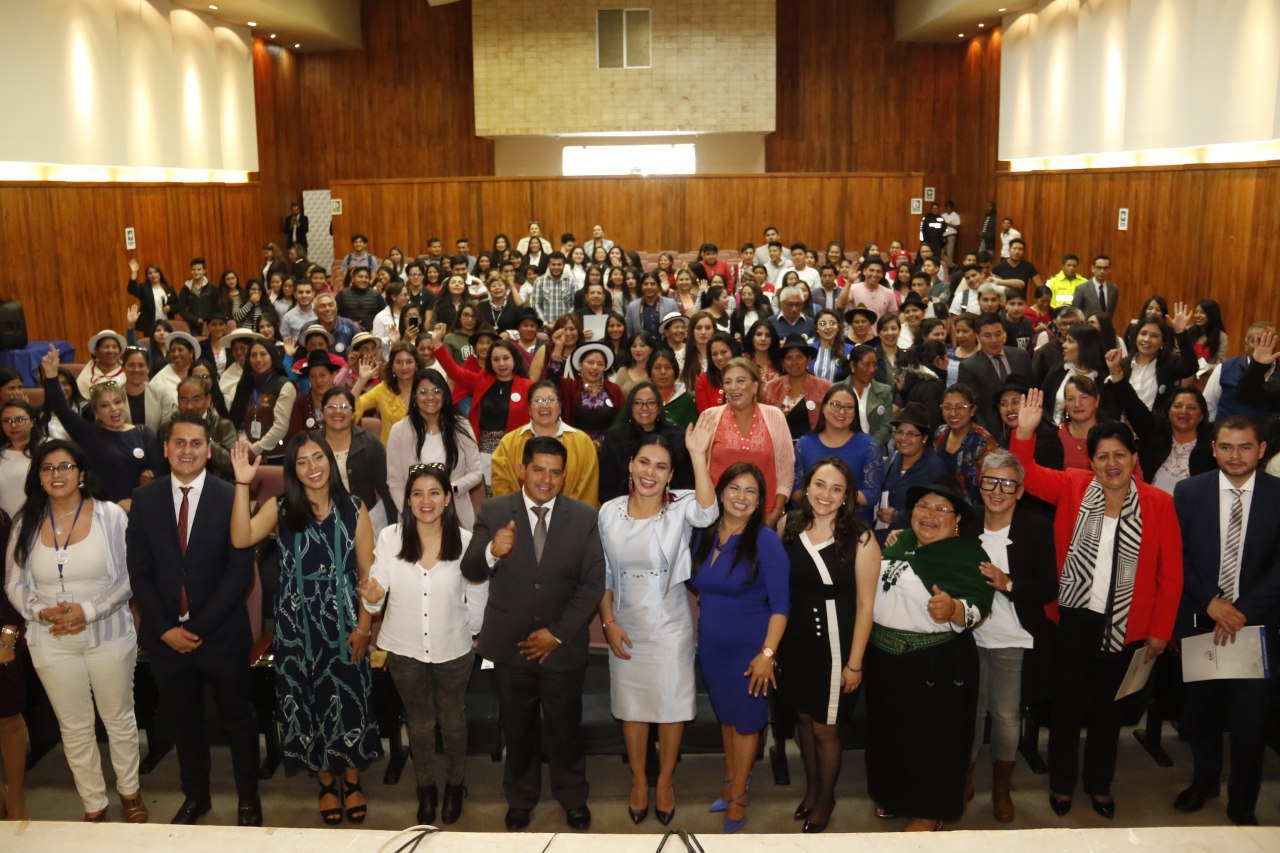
{"points": [[1001, 786], [132, 809], [96, 817]]}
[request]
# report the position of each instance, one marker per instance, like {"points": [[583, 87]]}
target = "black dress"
{"points": [[819, 634], [13, 678]]}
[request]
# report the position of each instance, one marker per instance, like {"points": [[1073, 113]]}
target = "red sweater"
{"points": [[1158, 585], [476, 383]]}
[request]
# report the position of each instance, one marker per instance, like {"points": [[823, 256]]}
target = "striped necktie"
{"points": [[1229, 575]]}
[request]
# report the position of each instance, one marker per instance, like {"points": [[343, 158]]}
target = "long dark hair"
{"points": [[775, 345], [625, 430], [1214, 329], [450, 537], [297, 509], [276, 378], [855, 425], [748, 550], [451, 423], [849, 529], [624, 359], [37, 429], [388, 371], [36, 508], [1091, 349], [713, 373]]}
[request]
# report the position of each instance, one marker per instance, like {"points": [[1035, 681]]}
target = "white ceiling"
{"points": [[950, 21], [313, 24]]}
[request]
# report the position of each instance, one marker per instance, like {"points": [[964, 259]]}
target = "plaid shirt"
{"points": [[553, 297]]}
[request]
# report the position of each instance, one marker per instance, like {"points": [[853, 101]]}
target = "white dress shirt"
{"points": [[1002, 629], [529, 506], [193, 497], [432, 612], [1103, 566], [1225, 499]]}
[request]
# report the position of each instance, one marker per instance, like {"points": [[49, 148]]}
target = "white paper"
{"points": [[884, 504], [594, 326], [1245, 658], [1139, 672]]}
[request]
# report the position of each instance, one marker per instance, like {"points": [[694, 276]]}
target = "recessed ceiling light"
{"points": [[213, 7], [273, 35], [962, 35], [980, 26], [1001, 9], [253, 23], [297, 44]]}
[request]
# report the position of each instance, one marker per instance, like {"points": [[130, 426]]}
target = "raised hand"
{"points": [[941, 605], [244, 469], [371, 591], [438, 331], [133, 269], [1115, 363], [504, 540], [290, 346], [699, 436], [50, 362], [1181, 318], [1031, 413], [368, 367], [131, 315], [1264, 351]]}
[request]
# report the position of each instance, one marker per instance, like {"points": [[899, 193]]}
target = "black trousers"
{"points": [[1087, 683], [1242, 706], [182, 686], [527, 692]]}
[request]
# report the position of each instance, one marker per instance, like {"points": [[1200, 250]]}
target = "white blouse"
{"points": [[1002, 629], [432, 613], [905, 604]]}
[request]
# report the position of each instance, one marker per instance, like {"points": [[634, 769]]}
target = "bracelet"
{"points": [[238, 483], [851, 669], [364, 633]]}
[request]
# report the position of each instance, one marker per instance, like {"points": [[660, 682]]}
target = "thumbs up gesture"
{"points": [[504, 540], [941, 606]]}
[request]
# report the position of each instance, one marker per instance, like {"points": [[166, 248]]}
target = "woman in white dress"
{"points": [[645, 609]]}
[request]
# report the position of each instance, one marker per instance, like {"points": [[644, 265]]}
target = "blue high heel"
{"points": [[720, 805], [730, 825]]}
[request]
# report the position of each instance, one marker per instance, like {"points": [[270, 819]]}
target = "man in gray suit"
{"points": [[541, 553], [1098, 294]]}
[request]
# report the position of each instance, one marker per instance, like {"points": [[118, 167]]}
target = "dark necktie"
{"points": [[539, 532], [1002, 368], [183, 607], [1102, 296]]}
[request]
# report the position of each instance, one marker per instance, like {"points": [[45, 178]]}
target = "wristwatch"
{"points": [[767, 652]]}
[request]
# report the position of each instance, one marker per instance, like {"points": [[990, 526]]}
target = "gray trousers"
{"points": [[1000, 694], [434, 693]]}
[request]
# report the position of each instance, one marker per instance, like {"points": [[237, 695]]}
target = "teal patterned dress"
{"points": [[324, 701]]}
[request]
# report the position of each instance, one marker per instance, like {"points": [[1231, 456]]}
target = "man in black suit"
{"points": [[987, 369], [1097, 295], [1231, 578], [295, 226], [190, 585], [541, 553]]}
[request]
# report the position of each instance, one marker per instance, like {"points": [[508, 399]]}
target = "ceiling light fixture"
{"points": [[980, 26], [1001, 9], [213, 7], [253, 23], [297, 44], [962, 35], [273, 35]]}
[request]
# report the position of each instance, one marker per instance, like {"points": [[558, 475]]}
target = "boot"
{"points": [[1001, 785], [428, 797], [968, 782]]}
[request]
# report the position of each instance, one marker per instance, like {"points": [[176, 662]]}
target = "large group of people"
{"points": [[851, 461]]}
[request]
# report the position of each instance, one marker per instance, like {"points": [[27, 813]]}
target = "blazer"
{"points": [[1155, 435], [879, 409], [775, 391], [286, 228], [979, 373], [216, 575], [467, 473], [1035, 583], [666, 305], [1158, 584], [367, 472], [141, 291], [1196, 500], [1086, 298], [475, 384], [560, 593]]}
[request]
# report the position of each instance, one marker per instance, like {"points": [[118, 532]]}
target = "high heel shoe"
{"points": [[720, 804], [801, 812], [332, 817], [1060, 807], [665, 817], [730, 825], [356, 813], [1106, 808], [638, 815]]}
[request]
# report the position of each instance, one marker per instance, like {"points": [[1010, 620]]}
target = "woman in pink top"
{"points": [[749, 431]]}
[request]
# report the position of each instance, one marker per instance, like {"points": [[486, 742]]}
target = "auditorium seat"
{"points": [[35, 396], [373, 426], [180, 326], [268, 483]]}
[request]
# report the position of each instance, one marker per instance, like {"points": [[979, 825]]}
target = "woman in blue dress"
{"points": [[839, 433], [741, 575], [323, 683], [645, 609]]}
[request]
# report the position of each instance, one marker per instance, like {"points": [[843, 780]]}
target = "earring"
{"points": [[631, 485]]}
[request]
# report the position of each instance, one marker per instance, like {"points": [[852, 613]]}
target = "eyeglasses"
{"points": [[841, 408], [337, 407], [956, 407], [544, 401], [61, 468], [430, 391], [907, 433], [16, 421], [644, 404], [1007, 487], [936, 510]]}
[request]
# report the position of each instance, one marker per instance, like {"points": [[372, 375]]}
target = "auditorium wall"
{"points": [[1194, 232]]}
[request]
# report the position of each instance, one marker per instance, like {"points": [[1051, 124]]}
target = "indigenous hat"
{"points": [[316, 329], [246, 335], [1013, 383], [671, 317], [528, 313], [103, 335], [584, 350], [861, 311], [912, 299], [319, 358], [916, 415], [944, 487], [484, 331], [899, 256], [187, 339], [795, 340], [362, 338]]}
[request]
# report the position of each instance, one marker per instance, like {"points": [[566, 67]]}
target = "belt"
{"points": [[897, 642]]}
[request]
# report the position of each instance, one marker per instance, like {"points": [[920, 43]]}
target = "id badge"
{"points": [[65, 598], [255, 430]]}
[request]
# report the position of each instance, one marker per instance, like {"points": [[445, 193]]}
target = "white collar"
{"points": [[561, 428], [529, 505], [196, 485], [1224, 485]]}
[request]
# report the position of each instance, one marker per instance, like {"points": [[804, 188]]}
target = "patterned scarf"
{"points": [[1076, 584]]}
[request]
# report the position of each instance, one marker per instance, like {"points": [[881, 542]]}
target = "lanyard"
{"points": [[60, 554]]}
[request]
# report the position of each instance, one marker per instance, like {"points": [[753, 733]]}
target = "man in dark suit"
{"points": [[1231, 578], [190, 585], [1097, 295], [541, 553], [295, 226], [987, 369]]}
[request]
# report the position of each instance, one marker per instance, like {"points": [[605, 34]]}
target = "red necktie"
{"points": [[183, 607]]}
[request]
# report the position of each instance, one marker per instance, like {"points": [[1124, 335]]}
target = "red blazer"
{"points": [[475, 383], [705, 396], [1158, 586]]}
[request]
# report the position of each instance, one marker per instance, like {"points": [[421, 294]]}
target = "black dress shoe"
{"points": [[664, 818], [1106, 809], [427, 797], [1192, 799], [249, 813], [1060, 807], [1239, 819], [579, 818], [636, 815], [191, 811], [451, 808], [801, 812], [810, 826], [517, 819]]}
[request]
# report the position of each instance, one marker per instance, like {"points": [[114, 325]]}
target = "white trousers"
{"points": [[77, 678]]}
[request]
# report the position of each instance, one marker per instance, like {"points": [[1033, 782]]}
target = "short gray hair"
{"points": [[1001, 458], [788, 292]]}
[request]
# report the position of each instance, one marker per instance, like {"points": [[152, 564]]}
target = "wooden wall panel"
{"points": [[641, 213], [1194, 232]]}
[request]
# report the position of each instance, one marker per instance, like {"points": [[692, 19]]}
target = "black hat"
{"points": [[944, 487], [484, 331], [795, 340], [1013, 383], [320, 358], [915, 414], [528, 313], [912, 299], [861, 311]]}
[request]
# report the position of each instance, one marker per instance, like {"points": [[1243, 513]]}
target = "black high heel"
{"points": [[1105, 808], [637, 815], [1060, 807], [664, 817], [355, 814], [801, 812], [332, 817]]}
